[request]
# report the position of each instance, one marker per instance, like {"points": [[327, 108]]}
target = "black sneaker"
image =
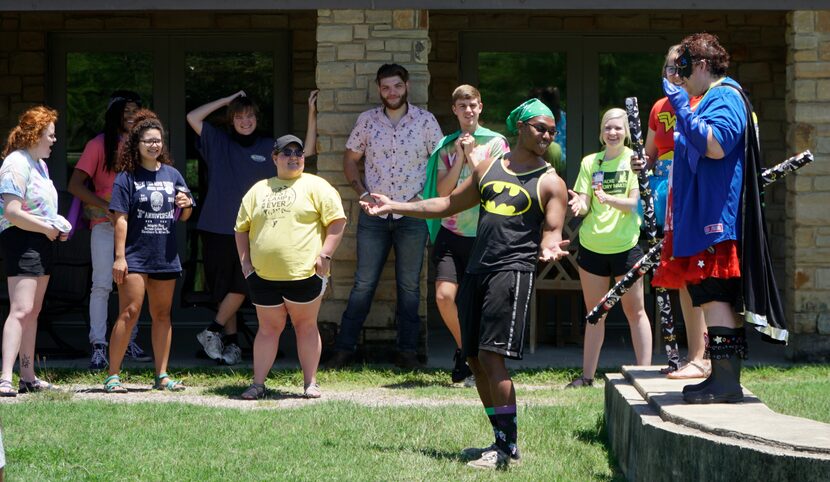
{"points": [[340, 360], [460, 370], [408, 361]]}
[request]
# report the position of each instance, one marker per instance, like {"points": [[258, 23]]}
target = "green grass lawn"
{"points": [[59, 437]]}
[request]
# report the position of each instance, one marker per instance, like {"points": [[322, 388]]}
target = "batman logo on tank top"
{"points": [[505, 198], [510, 220]]}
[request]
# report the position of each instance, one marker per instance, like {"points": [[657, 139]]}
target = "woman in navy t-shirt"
{"points": [[236, 159], [146, 195]]}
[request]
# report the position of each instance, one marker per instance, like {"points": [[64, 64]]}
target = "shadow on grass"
{"points": [[442, 455], [436, 454], [101, 390], [415, 383], [598, 435], [234, 392]]}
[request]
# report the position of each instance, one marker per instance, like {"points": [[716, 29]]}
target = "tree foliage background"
{"points": [[90, 79]]}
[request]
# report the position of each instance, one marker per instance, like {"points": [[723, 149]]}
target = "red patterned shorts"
{"points": [[717, 261]]}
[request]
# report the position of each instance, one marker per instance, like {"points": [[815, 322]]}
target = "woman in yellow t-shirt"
{"points": [[287, 230], [606, 193]]}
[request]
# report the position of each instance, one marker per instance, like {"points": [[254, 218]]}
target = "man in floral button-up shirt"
{"points": [[396, 140]]}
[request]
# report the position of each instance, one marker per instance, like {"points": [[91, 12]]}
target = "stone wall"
{"points": [[351, 45], [807, 284]]}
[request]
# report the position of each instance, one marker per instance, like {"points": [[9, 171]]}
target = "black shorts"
{"points": [[616, 264], [494, 309], [269, 293], [716, 289], [223, 273], [450, 255], [26, 253]]}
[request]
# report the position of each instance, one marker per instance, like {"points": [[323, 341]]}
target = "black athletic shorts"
{"points": [[726, 290], [450, 255], [26, 253], [223, 274], [269, 293], [616, 264], [494, 310]]}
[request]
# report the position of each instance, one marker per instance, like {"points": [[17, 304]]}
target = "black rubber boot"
{"points": [[728, 347], [699, 386]]}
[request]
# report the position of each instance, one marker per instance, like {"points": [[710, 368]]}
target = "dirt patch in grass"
{"points": [[277, 398]]}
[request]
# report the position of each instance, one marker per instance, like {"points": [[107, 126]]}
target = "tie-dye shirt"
{"points": [[29, 180], [466, 222]]}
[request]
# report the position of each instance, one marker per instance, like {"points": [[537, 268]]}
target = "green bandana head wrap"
{"points": [[528, 110]]}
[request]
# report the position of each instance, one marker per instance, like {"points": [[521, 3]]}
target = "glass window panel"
{"points": [[212, 75], [624, 75], [506, 79], [90, 79]]}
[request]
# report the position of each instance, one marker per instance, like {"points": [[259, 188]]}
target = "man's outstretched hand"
{"points": [[379, 206], [556, 252]]}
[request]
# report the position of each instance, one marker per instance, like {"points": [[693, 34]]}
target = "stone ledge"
{"points": [[656, 436]]}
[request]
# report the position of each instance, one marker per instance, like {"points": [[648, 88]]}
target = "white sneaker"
{"points": [[492, 459], [212, 343], [231, 354]]}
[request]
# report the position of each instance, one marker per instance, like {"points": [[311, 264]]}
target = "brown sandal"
{"points": [[581, 382], [254, 392], [36, 385]]}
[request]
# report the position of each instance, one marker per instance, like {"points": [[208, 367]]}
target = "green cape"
{"points": [[431, 185]]}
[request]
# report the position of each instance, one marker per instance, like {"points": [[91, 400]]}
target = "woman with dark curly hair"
{"points": [[91, 182], [28, 226], [146, 194]]}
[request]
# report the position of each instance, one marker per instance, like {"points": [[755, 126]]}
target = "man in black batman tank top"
{"points": [[522, 211]]}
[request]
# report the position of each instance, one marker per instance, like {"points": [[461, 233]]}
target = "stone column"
{"points": [[351, 45], [807, 285]]}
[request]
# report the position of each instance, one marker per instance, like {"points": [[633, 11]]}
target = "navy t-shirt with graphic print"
{"points": [[232, 170], [148, 199]]}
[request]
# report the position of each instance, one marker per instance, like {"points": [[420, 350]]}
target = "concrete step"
{"points": [[655, 435]]}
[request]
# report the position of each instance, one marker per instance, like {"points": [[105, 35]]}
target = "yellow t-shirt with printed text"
{"points": [[286, 223]]}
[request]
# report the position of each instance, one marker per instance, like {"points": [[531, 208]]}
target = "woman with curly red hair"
{"points": [[28, 226], [146, 195]]}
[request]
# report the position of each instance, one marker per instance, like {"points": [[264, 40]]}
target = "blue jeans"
{"points": [[375, 236]]}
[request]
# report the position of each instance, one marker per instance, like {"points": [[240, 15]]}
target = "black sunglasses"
{"points": [[542, 129], [288, 152]]}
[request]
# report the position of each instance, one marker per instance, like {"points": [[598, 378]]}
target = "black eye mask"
{"points": [[684, 62]]}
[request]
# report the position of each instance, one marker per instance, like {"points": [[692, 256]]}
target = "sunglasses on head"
{"points": [[288, 152], [542, 129]]}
